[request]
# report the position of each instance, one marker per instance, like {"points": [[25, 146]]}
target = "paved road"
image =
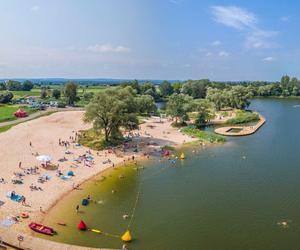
{"points": [[37, 115]]}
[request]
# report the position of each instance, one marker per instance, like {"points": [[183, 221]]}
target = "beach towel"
{"points": [[7, 222], [65, 177], [16, 197], [46, 176]]}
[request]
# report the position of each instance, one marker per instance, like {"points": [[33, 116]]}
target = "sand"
{"points": [[44, 134]]}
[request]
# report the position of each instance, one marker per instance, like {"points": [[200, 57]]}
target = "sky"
{"points": [[150, 39]]}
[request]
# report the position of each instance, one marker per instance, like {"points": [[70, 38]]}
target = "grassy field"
{"points": [[20, 94], [203, 136], [91, 139], [7, 112], [243, 117], [36, 92]]}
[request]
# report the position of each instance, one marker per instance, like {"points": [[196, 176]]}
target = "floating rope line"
{"points": [[135, 205], [139, 193]]}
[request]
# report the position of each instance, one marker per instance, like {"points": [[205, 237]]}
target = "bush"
{"points": [[243, 117], [203, 136], [6, 97], [61, 104], [56, 93]]}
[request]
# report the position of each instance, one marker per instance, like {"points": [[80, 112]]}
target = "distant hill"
{"points": [[82, 81]]}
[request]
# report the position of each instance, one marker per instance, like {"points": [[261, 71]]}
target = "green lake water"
{"points": [[223, 197]]}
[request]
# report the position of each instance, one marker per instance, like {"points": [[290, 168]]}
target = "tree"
{"points": [[6, 97], [12, 85], [2, 86], [70, 92], [87, 96], [44, 93], [238, 97], [56, 93], [196, 89], [166, 89], [27, 85], [217, 97], [285, 80], [177, 107], [145, 104], [133, 84], [177, 87], [203, 109], [111, 109]]}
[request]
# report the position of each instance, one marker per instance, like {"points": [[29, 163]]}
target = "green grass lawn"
{"points": [[203, 136], [7, 112], [20, 94], [243, 117]]}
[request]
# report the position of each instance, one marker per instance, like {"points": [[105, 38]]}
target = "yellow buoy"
{"points": [[126, 236], [182, 157], [96, 231]]}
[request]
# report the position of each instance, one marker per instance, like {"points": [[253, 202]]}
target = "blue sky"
{"points": [[150, 39]]}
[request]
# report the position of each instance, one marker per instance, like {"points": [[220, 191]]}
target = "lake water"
{"points": [[224, 197]]}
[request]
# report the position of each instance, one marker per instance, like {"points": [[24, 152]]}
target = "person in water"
{"points": [[124, 247]]}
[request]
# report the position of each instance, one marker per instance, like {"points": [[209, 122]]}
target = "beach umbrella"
{"points": [[43, 158]]}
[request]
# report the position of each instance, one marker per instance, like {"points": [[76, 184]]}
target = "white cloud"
{"points": [[233, 16], [208, 54], [35, 8], [268, 59], [223, 53], [216, 43], [260, 39], [247, 23], [107, 48]]}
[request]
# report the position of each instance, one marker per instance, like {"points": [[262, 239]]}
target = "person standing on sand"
{"points": [[23, 201], [30, 144], [20, 164], [77, 208]]}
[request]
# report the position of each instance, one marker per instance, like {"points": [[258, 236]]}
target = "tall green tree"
{"points": [[166, 89], [177, 87], [27, 85], [12, 85], [70, 92], [145, 104], [111, 109], [195, 88], [203, 109], [177, 107], [56, 93], [43, 93]]}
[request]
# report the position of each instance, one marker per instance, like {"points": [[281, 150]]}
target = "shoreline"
{"points": [[62, 124]]}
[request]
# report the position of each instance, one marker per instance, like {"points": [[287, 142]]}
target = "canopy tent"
{"points": [[20, 113], [44, 158]]}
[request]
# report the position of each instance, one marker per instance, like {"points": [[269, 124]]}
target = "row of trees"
{"points": [[13, 85], [69, 91]]}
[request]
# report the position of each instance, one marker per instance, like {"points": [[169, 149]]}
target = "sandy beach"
{"points": [[44, 134]]}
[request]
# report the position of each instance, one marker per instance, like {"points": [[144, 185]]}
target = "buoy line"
{"points": [[135, 205]]}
